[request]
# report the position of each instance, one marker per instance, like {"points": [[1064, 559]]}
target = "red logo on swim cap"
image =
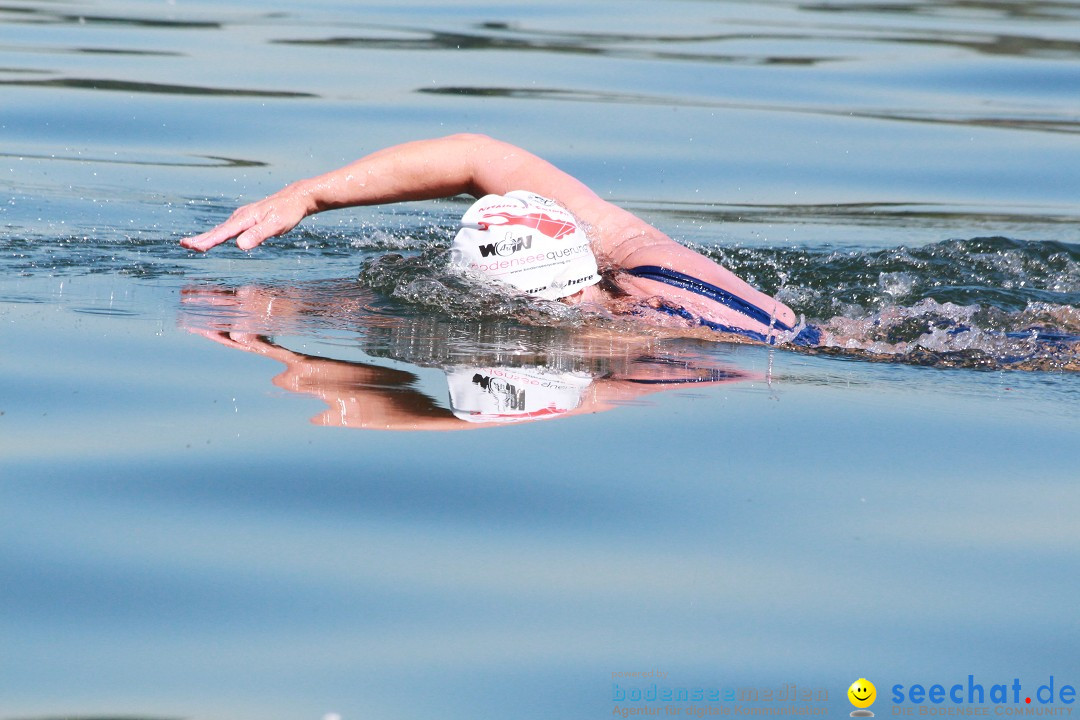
{"points": [[546, 224]]}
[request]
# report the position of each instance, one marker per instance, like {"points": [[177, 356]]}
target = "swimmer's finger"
{"points": [[251, 224], [223, 232], [254, 236], [197, 242], [202, 243]]}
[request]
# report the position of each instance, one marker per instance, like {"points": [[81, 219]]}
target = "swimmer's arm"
{"points": [[420, 170], [651, 247]]}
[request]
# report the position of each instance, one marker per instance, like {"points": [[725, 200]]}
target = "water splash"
{"points": [[984, 302], [991, 302]]}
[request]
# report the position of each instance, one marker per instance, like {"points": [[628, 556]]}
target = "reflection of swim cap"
{"points": [[506, 394], [527, 241]]}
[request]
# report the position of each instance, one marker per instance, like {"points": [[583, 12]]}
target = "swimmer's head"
{"points": [[526, 241]]}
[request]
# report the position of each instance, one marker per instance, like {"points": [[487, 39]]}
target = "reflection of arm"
{"points": [[357, 395], [372, 397]]}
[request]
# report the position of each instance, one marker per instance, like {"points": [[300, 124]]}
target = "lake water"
{"points": [[210, 502]]}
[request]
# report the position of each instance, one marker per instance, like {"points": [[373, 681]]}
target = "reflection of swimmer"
{"points": [[508, 394], [544, 242], [483, 392]]}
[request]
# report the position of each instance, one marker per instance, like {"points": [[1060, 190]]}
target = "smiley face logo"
{"points": [[862, 693]]}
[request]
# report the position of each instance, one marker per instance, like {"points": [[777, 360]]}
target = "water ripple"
{"points": [[40, 15], [130, 86], [508, 38], [141, 158], [1040, 122]]}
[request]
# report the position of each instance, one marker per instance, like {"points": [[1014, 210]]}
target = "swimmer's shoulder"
{"points": [[614, 231]]}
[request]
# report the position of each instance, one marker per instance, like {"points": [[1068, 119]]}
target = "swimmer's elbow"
{"points": [[495, 166], [472, 143], [469, 138]]}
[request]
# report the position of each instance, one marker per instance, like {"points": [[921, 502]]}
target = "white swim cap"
{"points": [[507, 395], [527, 241]]}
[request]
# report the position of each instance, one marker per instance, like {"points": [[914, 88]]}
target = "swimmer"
{"points": [[587, 250]]}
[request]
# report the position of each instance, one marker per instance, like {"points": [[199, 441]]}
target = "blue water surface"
{"points": [[183, 535]]}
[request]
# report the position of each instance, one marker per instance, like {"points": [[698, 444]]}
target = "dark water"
{"points": [[208, 507]]}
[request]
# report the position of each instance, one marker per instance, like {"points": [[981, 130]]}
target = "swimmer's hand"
{"points": [[254, 223]]}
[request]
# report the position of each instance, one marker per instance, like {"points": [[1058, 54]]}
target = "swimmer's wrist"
{"points": [[306, 194]]}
